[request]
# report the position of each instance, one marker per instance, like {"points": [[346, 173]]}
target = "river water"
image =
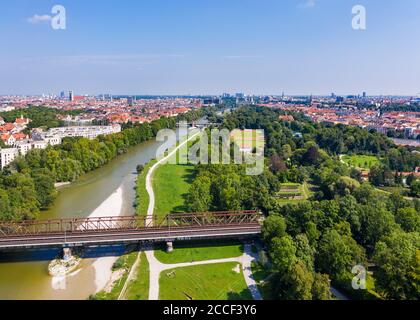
{"points": [[27, 278]]}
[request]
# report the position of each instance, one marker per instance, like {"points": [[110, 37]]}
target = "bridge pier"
{"points": [[67, 254], [169, 246]]}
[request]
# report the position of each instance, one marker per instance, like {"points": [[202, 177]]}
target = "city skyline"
{"points": [[190, 48]]}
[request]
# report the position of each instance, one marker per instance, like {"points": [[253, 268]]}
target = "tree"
{"points": [[337, 255], [345, 185], [199, 198], [410, 179], [321, 287], [44, 186], [286, 151], [375, 223], [415, 189], [296, 284], [304, 251], [312, 156], [398, 263], [283, 253], [5, 209], [274, 227], [277, 164], [408, 219], [140, 169], [356, 174], [381, 175]]}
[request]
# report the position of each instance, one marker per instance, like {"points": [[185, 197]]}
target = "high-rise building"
{"points": [[131, 101], [71, 96], [364, 95]]}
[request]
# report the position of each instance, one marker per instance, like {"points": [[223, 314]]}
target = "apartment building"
{"points": [[90, 132], [8, 156]]}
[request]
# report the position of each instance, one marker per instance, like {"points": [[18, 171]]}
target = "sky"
{"points": [[209, 47]]}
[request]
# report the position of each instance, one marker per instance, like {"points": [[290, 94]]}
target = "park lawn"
{"points": [[199, 253], [171, 184], [360, 161], [142, 201], [138, 289], [142, 197], [204, 282]]}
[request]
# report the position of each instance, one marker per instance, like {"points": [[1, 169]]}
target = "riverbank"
{"points": [[111, 207], [104, 275], [25, 276]]}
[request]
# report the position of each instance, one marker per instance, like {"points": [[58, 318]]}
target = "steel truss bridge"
{"points": [[119, 230]]}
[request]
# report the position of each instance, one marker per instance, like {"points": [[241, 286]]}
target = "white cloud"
{"points": [[307, 4], [39, 18]]}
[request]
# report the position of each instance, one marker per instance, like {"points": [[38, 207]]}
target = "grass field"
{"points": [[171, 184], [360, 161], [142, 201], [205, 282], [138, 289], [199, 253]]}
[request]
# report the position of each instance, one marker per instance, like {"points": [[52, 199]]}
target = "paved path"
{"points": [[338, 294], [149, 186], [246, 261], [156, 267]]}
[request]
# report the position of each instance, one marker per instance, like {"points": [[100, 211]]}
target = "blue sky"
{"points": [[210, 47]]}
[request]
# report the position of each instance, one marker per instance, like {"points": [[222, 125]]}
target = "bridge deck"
{"points": [[112, 230]]}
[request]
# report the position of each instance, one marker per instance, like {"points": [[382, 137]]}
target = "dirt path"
{"points": [[130, 277]]}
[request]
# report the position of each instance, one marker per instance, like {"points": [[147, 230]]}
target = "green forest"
{"points": [[347, 221]]}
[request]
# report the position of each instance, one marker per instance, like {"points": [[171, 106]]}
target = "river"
{"points": [[27, 277]]}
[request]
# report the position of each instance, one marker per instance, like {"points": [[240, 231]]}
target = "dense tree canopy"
{"points": [[27, 185]]}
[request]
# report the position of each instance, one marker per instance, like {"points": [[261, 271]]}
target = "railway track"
{"points": [[118, 236]]}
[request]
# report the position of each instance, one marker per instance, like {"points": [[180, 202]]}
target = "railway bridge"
{"points": [[75, 232]]}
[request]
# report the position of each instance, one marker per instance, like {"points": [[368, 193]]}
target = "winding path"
{"points": [[156, 267], [149, 186]]}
